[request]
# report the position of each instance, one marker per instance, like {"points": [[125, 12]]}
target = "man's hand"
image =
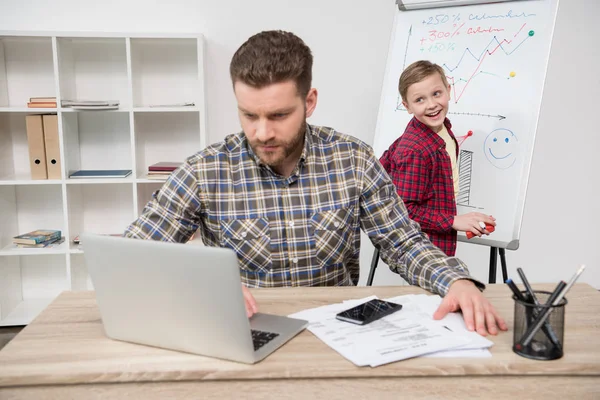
{"points": [[477, 311], [251, 306]]}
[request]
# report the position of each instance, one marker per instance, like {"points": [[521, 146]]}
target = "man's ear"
{"points": [[311, 101], [406, 106]]}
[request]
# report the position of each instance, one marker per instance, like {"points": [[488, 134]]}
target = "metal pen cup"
{"points": [[547, 343]]}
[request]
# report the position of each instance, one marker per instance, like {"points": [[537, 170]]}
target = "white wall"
{"points": [[349, 39]]}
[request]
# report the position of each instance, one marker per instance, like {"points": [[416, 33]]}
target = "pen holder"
{"points": [[547, 343]]}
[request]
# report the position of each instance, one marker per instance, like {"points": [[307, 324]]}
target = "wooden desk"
{"points": [[63, 354]]}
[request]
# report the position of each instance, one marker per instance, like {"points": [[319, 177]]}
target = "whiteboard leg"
{"points": [[503, 264], [493, 264]]}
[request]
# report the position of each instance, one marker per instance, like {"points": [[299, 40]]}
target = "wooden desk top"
{"points": [[66, 344]]}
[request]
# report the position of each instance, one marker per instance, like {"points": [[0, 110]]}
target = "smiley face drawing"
{"points": [[501, 148]]}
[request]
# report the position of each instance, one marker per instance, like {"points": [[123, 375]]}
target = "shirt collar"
{"points": [[422, 126], [431, 135]]}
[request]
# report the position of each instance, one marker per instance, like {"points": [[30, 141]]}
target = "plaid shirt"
{"points": [[420, 167], [301, 230]]}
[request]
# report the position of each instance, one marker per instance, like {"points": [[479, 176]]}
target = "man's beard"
{"points": [[276, 158]]}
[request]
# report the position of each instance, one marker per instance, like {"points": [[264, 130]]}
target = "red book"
{"points": [[164, 166]]}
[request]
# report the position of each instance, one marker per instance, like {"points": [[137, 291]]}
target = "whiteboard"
{"points": [[495, 58]]}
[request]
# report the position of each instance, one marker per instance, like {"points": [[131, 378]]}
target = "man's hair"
{"points": [[273, 57], [416, 72]]}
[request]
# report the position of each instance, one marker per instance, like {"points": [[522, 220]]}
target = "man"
{"points": [[290, 198]]}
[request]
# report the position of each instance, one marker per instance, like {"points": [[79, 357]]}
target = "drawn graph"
{"points": [[442, 43], [465, 173], [494, 45]]}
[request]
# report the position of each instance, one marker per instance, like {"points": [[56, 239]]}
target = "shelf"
{"points": [[93, 69], [24, 180], [28, 110], [96, 140], [165, 71], [145, 179], [145, 191], [26, 311], [99, 208], [26, 208], [138, 70], [73, 110], [26, 70], [11, 250], [165, 137], [98, 181], [165, 109]]}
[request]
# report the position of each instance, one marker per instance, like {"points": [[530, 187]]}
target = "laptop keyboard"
{"points": [[260, 338]]}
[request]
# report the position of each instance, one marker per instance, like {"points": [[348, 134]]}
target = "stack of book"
{"points": [[90, 104], [99, 173], [162, 170], [38, 238], [42, 102]]}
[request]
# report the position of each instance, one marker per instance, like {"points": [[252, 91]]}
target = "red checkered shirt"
{"points": [[421, 169]]}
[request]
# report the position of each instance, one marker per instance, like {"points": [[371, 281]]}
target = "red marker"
{"points": [[470, 133], [488, 227]]}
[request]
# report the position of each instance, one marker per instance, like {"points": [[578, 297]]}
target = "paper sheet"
{"points": [[408, 333]]}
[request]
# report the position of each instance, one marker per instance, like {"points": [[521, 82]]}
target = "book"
{"points": [[164, 166], [186, 104], [100, 173], [37, 236], [51, 141], [94, 107], [37, 151], [47, 244], [89, 103], [42, 99], [41, 105]]}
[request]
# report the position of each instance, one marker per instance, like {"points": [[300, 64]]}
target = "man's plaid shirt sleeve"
{"points": [[172, 214], [403, 246]]}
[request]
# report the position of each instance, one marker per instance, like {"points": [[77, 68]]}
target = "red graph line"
{"points": [[456, 99], [520, 29], [486, 53]]}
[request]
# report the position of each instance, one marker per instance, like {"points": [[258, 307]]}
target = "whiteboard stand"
{"points": [[493, 264], [494, 261]]}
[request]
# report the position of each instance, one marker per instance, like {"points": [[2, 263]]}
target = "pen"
{"points": [[554, 300], [528, 288], [515, 290], [546, 328]]}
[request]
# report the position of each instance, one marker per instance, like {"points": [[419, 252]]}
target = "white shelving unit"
{"points": [[143, 72]]}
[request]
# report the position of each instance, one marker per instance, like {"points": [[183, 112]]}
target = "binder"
{"points": [[53, 163], [37, 150]]}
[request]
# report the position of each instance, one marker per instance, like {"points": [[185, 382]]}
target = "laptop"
{"points": [[180, 297]]}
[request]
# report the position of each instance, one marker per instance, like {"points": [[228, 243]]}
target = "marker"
{"points": [[490, 228], [470, 133]]}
